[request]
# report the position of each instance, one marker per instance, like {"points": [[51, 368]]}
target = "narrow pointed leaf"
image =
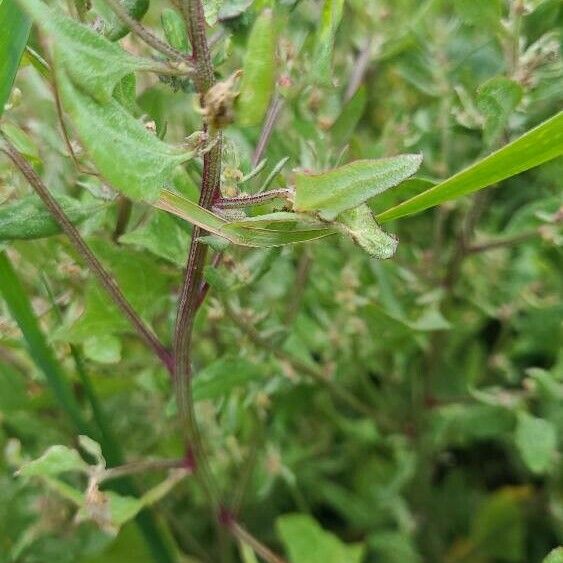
{"points": [[539, 145], [259, 71], [324, 46], [20, 308], [14, 31], [133, 160], [237, 234], [90, 60], [332, 192]]}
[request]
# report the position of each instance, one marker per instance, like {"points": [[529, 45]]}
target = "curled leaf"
{"points": [[359, 224]]}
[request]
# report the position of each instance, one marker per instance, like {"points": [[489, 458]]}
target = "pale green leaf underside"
{"points": [[536, 147], [236, 233], [337, 190], [90, 60], [359, 224], [130, 158]]}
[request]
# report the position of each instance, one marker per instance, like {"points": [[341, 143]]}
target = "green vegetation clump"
{"points": [[281, 281]]}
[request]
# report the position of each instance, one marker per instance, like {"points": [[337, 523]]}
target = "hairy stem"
{"points": [[103, 276], [147, 36], [248, 200], [190, 291]]}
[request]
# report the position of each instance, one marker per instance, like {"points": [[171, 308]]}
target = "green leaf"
{"points": [[555, 556], [92, 448], [306, 542], [324, 45], [359, 224], [480, 12], [13, 393], [238, 234], [174, 29], [348, 186], [212, 9], [90, 60], [15, 26], [259, 69], [496, 100], [394, 547], [539, 145], [220, 378], [27, 218], [498, 526], [103, 348], [347, 121], [21, 140], [536, 440], [130, 158], [20, 308], [113, 28], [162, 236], [56, 460]]}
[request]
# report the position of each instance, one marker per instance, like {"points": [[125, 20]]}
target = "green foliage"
{"points": [[15, 27], [330, 193], [536, 147], [307, 542], [113, 28], [343, 394], [259, 71], [28, 219], [324, 44], [91, 61], [496, 100], [536, 440], [133, 160]]}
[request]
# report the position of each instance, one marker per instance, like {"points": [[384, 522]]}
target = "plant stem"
{"points": [[192, 11], [103, 276], [142, 467], [272, 115], [252, 199], [259, 548], [147, 36], [500, 243], [43, 357]]}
